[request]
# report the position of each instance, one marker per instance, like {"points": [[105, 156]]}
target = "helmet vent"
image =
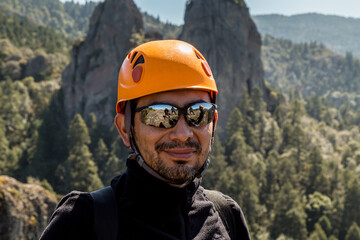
{"points": [[139, 60], [132, 59], [198, 55]]}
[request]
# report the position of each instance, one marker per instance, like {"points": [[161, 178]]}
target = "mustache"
{"points": [[177, 144]]}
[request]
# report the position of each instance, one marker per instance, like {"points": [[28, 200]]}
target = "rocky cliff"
{"points": [[221, 29], [25, 209], [225, 34], [90, 81]]}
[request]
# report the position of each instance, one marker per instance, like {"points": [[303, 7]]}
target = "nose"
{"points": [[181, 131]]}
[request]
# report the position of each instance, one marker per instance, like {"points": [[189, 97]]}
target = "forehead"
{"points": [[178, 98]]}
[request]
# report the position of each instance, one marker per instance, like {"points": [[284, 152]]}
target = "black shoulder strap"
{"points": [[224, 209], [105, 214]]}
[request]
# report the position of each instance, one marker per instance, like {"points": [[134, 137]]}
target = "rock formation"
{"points": [[225, 34], [90, 80], [25, 209], [221, 29]]}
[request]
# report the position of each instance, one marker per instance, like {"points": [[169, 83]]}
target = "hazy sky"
{"points": [[173, 10]]}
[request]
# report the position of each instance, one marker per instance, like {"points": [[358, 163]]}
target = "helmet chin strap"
{"points": [[134, 153]]}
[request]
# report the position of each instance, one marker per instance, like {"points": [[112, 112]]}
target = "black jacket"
{"points": [[147, 209]]}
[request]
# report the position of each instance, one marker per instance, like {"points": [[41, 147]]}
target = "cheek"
{"points": [[204, 136], [145, 136]]}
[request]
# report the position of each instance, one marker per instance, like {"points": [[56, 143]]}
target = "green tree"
{"points": [[115, 164], [289, 216], [351, 204], [314, 170], [51, 148], [314, 107], [318, 233], [217, 164], [236, 150], [78, 133], [235, 122], [318, 205], [272, 137], [271, 186], [101, 157], [8, 159], [82, 171], [325, 225], [241, 185], [353, 233]]}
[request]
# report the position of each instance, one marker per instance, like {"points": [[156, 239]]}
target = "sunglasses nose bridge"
{"points": [[181, 130]]}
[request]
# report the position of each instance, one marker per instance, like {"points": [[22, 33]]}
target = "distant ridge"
{"points": [[341, 34], [70, 19]]}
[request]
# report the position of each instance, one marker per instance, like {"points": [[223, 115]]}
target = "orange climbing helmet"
{"points": [[160, 66]]}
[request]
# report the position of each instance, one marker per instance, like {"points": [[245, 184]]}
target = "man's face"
{"points": [[176, 153]]}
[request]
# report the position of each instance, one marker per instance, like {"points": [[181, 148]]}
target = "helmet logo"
{"points": [[136, 73], [206, 68]]}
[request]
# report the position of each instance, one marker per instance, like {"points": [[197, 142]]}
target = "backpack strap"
{"points": [[105, 214], [224, 210]]}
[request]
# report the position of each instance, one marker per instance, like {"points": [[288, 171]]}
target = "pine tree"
{"points": [[217, 164], [92, 127], [271, 187], [314, 170], [5, 165], [352, 204], [318, 233], [51, 148], [101, 157], [82, 171], [271, 139], [318, 205], [353, 233], [114, 166], [78, 134], [235, 122], [325, 225], [289, 216], [236, 150]]}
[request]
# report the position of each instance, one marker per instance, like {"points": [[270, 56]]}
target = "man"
{"points": [[159, 196]]}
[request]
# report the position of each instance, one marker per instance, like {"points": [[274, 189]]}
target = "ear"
{"points": [[120, 125]]}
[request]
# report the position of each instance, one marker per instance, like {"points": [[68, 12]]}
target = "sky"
{"points": [[173, 10]]}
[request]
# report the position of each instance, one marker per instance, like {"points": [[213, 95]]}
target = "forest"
{"points": [[294, 170], [337, 32]]}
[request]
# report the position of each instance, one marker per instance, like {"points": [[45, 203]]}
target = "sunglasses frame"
{"points": [[181, 111]]}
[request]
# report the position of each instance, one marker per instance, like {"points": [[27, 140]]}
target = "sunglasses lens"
{"points": [[200, 114], [161, 116]]}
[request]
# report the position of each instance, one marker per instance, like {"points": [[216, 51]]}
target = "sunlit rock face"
{"points": [[225, 34], [25, 209], [90, 80]]}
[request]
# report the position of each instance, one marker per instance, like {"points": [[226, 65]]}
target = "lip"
{"points": [[180, 153]]}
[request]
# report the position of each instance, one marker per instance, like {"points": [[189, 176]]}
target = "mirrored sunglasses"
{"points": [[166, 116]]}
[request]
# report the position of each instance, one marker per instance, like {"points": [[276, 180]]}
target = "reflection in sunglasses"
{"points": [[159, 115]]}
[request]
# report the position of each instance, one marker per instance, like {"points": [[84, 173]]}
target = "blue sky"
{"points": [[173, 10]]}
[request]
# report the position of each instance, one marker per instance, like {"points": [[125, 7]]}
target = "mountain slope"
{"points": [[22, 33], [311, 68], [338, 33], [70, 19]]}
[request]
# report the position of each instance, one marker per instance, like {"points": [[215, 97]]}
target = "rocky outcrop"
{"points": [[90, 80], [225, 34], [25, 209], [221, 29], [36, 65]]}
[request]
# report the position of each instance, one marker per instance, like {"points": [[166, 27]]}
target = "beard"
{"points": [[181, 172], [177, 174]]}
